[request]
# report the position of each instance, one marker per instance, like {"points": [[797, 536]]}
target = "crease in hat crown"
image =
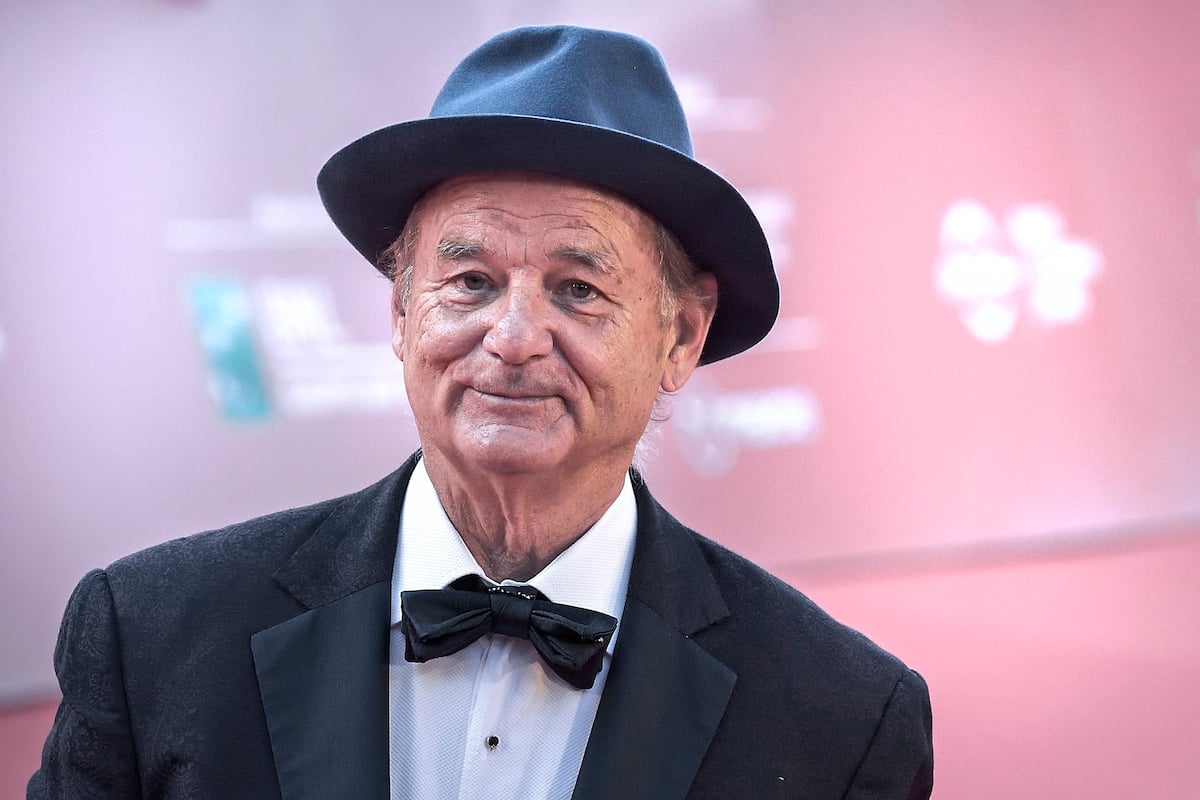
{"points": [[614, 81], [596, 106]]}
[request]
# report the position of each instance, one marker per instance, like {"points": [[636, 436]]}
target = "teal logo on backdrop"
{"points": [[221, 311]]}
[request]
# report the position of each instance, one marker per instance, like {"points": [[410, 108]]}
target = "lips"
{"points": [[523, 390], [516, 387], [507, 394]]}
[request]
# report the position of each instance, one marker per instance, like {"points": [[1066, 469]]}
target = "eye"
{"points": [[578, 290], [473, 282]]}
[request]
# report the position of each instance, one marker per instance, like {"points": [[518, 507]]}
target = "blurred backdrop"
{"points": [[974, 433]]}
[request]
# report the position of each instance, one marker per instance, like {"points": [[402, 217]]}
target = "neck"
{"points": [[514, 525]]}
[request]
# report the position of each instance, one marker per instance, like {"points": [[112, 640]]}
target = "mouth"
{"points": [[507, 395]]}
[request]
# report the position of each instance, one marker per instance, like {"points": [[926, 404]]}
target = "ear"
{"points": [[692, 321], [398, 320]]}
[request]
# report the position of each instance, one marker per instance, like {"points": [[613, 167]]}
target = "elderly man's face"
{"points": [[533, 337]]}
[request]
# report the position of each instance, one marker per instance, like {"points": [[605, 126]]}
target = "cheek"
{"points": [[626, 370], [398, 336], [438, 337]]}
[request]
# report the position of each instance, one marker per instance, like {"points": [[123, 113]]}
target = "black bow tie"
{"points": [[438, 622]]}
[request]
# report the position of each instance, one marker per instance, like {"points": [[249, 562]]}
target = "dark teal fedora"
{"points": [[596, 106]]}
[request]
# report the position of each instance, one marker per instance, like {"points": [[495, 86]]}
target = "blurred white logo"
{"points": [[994, 273], [709, 110], [711, 428], [298, 313], [774, 209], [318, 369], [274, 220]]}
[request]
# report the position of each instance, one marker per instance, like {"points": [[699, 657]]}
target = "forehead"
{"points": [[531, 203]]}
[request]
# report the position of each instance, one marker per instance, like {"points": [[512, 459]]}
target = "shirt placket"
{"points": [[488, 754]]}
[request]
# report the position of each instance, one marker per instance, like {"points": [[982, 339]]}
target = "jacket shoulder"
{"points": [[763, 605], [236, 557], [812, 691], [248, 546], [741, 612], [819, 702]]}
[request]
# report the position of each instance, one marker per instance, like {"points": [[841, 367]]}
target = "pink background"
{"points": [[994, 471]]}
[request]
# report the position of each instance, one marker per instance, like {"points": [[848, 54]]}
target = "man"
{"points": [[510, 613]]}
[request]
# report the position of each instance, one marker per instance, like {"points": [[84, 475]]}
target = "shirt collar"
{"points": [[592, 573]]}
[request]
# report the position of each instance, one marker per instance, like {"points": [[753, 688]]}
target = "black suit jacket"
{"points": [[251, 662]]}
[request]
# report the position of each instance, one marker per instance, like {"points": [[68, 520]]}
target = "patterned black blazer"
{"points": [[251, 662]]}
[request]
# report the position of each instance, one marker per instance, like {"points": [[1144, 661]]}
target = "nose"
{"points": [[521, 328]]}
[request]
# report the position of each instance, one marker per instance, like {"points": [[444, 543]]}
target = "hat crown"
{"points": [[592, 77], [595, 106]]}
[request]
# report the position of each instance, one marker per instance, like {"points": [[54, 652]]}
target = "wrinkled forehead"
{"points": [[519, 198]]}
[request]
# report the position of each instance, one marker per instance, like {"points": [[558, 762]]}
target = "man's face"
{"points": [[532, 339]]}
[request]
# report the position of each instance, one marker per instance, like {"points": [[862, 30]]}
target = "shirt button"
{"points": [[493, 742]]}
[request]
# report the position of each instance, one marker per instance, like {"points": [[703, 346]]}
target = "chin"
{"points": [[508, 451]]}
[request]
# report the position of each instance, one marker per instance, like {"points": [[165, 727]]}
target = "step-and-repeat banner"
{"points": [[985, 217]]}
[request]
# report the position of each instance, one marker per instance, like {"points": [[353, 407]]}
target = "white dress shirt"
{"points": [[492, 721]]}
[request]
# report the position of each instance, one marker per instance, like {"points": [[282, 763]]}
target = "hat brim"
{"points": [[370, 186]]}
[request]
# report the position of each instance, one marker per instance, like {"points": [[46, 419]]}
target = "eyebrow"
{"points": [[458, 248], [594, 260]]}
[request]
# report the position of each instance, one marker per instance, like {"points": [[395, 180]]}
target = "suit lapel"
{"points": [[323, 673], [323, 679], [665, 695]]}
